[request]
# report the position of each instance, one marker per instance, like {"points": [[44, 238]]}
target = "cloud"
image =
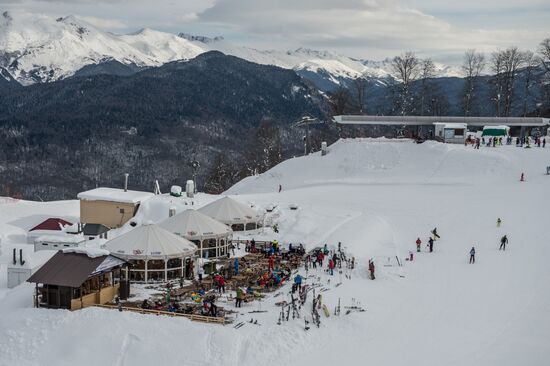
{"points": [[362, 27], [104, 23]]}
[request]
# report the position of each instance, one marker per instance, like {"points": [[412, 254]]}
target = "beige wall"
{"points": [[106, 213], [104, 296]]}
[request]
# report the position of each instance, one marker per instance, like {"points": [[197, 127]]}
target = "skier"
{"points": [[236, 266], [522, 178], [431, 244], [320, 259], [200, 271], [371, 269], [434, 231], [280, 188], [411, 256], [271, 262], [418, 243], [499, 221], [331, 266], [472, 255], [503, 242], [239, 298], [221, 284], [298, 282]]}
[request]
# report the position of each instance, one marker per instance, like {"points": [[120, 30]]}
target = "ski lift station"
{"points": [[450, 129]]}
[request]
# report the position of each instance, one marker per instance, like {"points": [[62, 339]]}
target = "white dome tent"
{"points": [[155, 253], [236, 215], [211, 237]]}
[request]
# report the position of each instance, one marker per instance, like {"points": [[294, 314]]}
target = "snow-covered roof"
{"points": [[150, 242], [90, 252], [452, 125], [229, 211], [496, 128], [115, 195], [67, 238], [193, 225]]}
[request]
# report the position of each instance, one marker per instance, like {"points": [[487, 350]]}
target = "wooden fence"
{"points": [[193, 317]]}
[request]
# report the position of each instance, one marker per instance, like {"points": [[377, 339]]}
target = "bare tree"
{"points": [[406, 69], [544, 52], [473, 66], [544, 57], [530, 62], [505, 65], [359, 86], [340, 101], [427, 72]]}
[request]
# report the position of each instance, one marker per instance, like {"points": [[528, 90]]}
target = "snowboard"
{"points": [[325, 310]]}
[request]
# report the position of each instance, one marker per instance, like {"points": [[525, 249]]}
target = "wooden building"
{"points": [[78, 277], [111, 207]]}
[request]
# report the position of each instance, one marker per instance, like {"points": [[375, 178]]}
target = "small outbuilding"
{"points": [[78, 277], [52, 225], [92, 231], [211, 237], [236, 215], [111, 207], [154, 253], [24, 263], [56, 242], [451, 133]]}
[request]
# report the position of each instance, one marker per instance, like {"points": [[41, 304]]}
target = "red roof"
{"points": [[52, 223]]}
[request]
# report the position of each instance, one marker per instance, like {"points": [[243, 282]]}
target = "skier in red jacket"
{"points": [[331, 266], [371, 269], [418, 243]]}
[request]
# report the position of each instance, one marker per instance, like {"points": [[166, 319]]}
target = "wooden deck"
{"points": [[193, 317]]}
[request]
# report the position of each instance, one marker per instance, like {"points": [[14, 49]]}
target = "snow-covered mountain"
{"points": [[38, 48]]}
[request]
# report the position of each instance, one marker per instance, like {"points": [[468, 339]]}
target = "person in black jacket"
{"points": [[472, 255], [431, 244], [503, 242]]}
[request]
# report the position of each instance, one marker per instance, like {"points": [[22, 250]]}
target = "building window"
{"points": [[121, 210]]}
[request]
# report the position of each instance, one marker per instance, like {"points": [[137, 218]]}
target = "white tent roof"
{"points": [[229, 211], [194, 225], [150, 242]]}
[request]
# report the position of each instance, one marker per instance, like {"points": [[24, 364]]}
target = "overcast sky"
{"points": [[372, 29]]}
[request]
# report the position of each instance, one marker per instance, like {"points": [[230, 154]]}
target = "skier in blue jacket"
{"points": [[472, 255], [298, 281]]}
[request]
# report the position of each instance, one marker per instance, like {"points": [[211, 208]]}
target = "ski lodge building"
{"points": [[449, 129]]}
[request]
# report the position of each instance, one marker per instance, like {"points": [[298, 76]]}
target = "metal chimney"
{"points": [[171, 211], [14, 256], [21, 261], [126, 182]]}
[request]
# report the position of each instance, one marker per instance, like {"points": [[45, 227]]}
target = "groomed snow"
{"points": [[376, 197]]}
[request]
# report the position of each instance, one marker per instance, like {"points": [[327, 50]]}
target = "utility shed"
{"points": [[111, 207], [453, 133], [78, 277], [24, 263]]}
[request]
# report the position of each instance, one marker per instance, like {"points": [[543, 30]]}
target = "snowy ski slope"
{"points": [[376, 197]]}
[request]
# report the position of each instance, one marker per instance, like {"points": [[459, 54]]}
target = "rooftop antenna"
{"points": [[126, 182]]}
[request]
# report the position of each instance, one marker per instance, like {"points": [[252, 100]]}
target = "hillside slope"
{"points": [[376, 197]]}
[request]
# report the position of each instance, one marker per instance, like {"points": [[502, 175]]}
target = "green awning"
{"points": [[494, 132]]}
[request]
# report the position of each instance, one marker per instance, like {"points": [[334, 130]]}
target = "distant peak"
{"points": [[202, 39]]}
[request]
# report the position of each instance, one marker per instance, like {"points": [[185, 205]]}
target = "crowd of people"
{"points": [[494, 141]]}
